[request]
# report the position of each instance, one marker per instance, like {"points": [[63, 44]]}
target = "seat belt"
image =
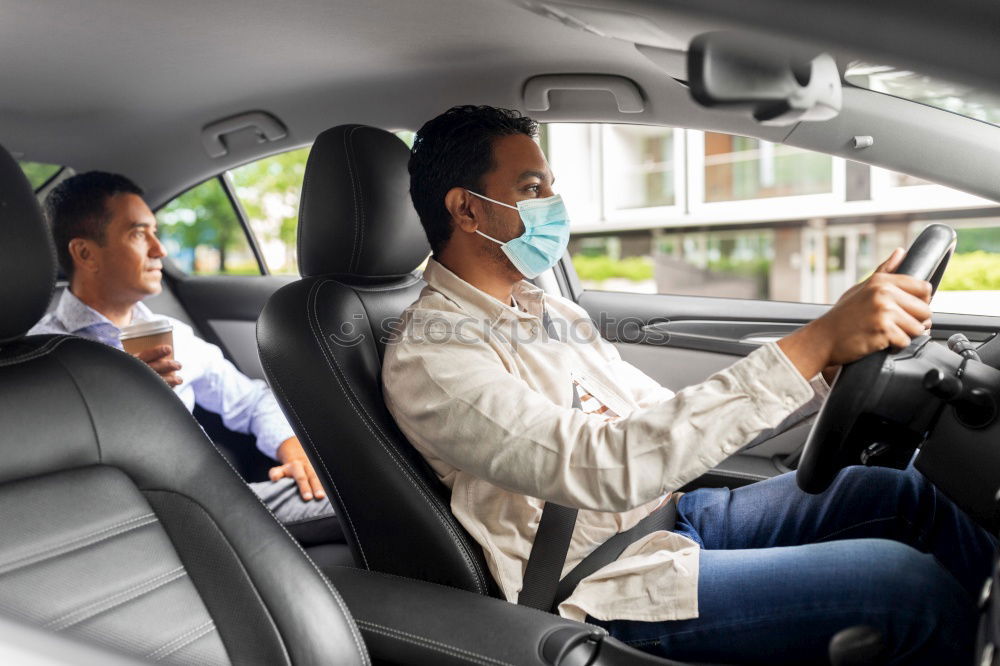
{"points": [[664, 518], [555, 530], [541, 587]]}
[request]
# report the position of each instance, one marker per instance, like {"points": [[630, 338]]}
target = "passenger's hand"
{"points": [[886, 310], [296, 465], [156, 358]]}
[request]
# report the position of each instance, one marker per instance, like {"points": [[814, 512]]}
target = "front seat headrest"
{"points": [[27, 255], [355, 217]]}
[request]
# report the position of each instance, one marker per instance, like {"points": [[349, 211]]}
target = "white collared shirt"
{"points": [[486, 396], [246, 405]]}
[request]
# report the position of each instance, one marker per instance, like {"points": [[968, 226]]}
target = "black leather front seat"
{"points": [[321, 343], [122, 525]]}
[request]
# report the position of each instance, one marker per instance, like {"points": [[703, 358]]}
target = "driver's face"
{"points": [[520, 172]]}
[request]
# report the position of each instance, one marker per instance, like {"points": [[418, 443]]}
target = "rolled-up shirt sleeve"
{"points": [[246, 405], [647, 391], [459, 403]]}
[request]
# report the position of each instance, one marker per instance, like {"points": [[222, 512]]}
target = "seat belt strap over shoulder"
{"points": [[541, 586]]}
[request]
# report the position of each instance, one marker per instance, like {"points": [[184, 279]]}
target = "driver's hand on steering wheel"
{"points": [[886, 310]]}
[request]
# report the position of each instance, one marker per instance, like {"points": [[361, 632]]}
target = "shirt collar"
{"points": [[476, 301], [75, 315]]}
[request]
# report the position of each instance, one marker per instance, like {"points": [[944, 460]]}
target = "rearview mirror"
{"points": [[780, 85]]}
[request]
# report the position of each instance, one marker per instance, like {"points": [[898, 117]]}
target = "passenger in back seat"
{"points": [[106, 241]]}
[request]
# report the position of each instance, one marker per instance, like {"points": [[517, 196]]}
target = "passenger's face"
{"points": [[128, 263], [521, 172]]}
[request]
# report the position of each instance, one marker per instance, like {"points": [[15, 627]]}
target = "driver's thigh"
{"points": [[862, 502], [782, 605]]}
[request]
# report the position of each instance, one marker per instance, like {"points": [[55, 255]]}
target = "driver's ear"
{"points": [[459, 203], [83, 254]]}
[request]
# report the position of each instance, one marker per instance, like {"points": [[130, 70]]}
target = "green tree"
{"points": [[269, 191], [203, 216], [38, 174]]}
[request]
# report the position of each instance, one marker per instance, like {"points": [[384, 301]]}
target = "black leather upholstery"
{"points": [[355, 215], [321, 343], [28, 255], [122, 525]]}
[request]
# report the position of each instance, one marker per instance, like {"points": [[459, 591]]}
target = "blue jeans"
{"points": [[782, 572]]}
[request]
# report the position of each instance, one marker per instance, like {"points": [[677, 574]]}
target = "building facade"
{"points": [[663, 210]]}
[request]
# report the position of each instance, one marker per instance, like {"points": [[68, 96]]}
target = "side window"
{"points": [[38, 173], [202, 229], [269, 191], [202, 233], [664, 210]]}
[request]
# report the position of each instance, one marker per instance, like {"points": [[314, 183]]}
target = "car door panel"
{"points": [[682, 340], [225, 309]]}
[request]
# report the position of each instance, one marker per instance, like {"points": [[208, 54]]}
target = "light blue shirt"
{"points": [[246, 405]]}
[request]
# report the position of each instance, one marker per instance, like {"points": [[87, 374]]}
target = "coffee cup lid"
{"points": [[143, 328]]}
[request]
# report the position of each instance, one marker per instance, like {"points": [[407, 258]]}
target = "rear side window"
{"points": [[268, 191], [202, 234], [244, 219], [38, 173]]}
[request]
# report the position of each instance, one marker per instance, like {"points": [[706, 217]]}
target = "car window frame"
{"points": [[230, 192]]}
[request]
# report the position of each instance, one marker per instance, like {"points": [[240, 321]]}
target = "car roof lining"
{"points": [[328, 62]]}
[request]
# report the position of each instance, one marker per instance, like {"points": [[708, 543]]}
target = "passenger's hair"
{"points": [[456, 150], [77, 208]]}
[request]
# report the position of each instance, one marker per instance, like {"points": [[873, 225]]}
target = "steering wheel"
{"points": [[837, 438]]}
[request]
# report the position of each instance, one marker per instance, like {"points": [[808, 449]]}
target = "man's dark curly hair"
{"points": [[76, 208], [456, 150]]}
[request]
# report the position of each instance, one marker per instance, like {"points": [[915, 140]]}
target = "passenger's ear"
{"points": [[459, 203], [83, 253]]}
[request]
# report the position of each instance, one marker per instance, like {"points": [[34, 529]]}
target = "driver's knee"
{"points": [[923, 613], [885, 491]]}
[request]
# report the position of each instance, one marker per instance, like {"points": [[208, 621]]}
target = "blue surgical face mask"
{"points": [[545, 237]]}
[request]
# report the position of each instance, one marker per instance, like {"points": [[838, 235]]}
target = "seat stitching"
{"points": [[204, 628], [354, 193], [86, 406], [364, 211], [389, 288], [41, 351], [423, 641], [406, 580], [381, 438], [333, 592], [133, 592], [236, 554], [186, 643], [276, 385], [348, 618], [396, 458], [78, 543]]}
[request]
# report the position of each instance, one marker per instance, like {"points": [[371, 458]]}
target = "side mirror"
{"points": [[779, 85]]}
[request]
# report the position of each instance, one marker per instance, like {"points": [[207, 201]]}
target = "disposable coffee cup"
{"points": [[144, 335]]}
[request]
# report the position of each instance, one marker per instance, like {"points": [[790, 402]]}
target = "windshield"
{"points": [[957, 98]]}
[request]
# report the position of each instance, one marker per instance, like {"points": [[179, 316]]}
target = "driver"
{"points": [[515, 400]]}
